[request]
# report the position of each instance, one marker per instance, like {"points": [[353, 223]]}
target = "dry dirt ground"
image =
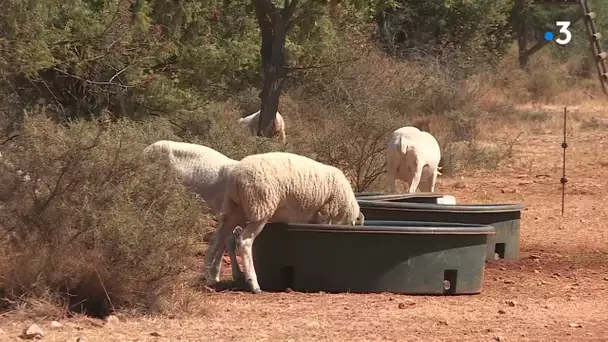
{"points": [[557, 291]]}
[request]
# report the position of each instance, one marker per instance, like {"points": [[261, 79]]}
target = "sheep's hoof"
{"points": [[255, 288]]}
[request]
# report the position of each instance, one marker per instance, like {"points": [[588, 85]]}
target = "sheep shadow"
{"points": [[225, 285]]}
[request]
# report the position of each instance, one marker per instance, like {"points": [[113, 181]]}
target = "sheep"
{"points": [[413, 156], [279, 187], [201, 168], [251, 122]]}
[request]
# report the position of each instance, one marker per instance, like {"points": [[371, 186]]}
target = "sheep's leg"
{"points": [[237, 274], [227, 241], [217, 248], [433, 181], [215, 244], [245, 242], [415, 180], [209, 260], [391, 176], [392, 180]]}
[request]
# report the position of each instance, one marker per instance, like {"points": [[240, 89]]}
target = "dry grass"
{"points": [[561, 278]]}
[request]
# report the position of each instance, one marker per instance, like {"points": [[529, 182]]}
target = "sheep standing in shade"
{"points": [[279, 187], [413, 156], [204, 170], [251, 122]]}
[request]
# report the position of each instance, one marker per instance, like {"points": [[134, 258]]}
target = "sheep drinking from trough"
{"points": [[202, 169], [251, 122], [412, 156], [278, 187]]}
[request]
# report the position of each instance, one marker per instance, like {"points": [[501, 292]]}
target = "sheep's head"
{"points": [[352, 213], [360, 219]]}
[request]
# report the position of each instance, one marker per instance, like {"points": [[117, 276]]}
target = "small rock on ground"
{"points": [[112, 319], [33, 331]]}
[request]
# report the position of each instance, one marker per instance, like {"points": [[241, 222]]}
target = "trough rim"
{"points": [[395, 227], [374, 196], [434, 207], [365, 194]]}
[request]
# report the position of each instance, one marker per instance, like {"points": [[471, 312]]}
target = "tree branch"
{"points": [[269, 10], [9, 139], [306, 14], [289, 9], [110, 82]]}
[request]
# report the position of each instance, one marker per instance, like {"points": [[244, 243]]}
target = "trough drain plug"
{"points": [[446, 285]]}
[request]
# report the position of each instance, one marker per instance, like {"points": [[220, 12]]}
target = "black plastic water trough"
{"points": [[382, 256], [504, 217], [416, 197], [365, 194]]}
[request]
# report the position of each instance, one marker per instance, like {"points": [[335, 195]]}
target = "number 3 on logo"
{"points": [[563, 25]]}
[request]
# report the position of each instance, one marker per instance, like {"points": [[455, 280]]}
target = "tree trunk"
{"points": [[273, 28], [273, 68], [519, 23]]}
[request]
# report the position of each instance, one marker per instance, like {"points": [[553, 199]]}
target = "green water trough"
{"points": [[505, 218], [426, 258]]}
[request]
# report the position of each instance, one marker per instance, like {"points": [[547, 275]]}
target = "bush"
{"points": [[97, 225], [346, 116]]}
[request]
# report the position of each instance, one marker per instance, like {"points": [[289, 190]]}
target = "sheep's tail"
{"points": [[361, 219]]}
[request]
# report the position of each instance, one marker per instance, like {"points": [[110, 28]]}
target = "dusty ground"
{"points": [[557, 291]]}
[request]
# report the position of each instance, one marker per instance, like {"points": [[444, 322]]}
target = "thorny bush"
{"points": [[96, 224]]}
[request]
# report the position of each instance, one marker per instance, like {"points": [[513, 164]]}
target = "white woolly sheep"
{"points": [[201, 168], [279, 187], [413, 156], [251, 122]]}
